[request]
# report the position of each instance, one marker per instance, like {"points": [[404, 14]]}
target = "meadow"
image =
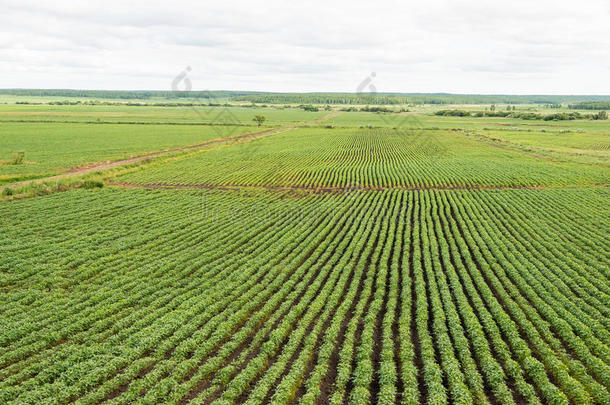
{"points": [[338, 257], [235, 115]]}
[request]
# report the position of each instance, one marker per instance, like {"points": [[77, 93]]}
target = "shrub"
{"points": [[453, 113], [309, 107], [18, 158], [89, 184], [376, 109]]}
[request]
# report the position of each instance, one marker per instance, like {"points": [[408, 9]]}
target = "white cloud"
{"points": [[468, 46]]}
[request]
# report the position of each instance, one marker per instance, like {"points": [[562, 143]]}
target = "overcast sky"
{"points": [[458, 46]]}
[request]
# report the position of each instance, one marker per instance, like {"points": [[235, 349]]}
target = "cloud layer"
{"points": [[460, 46]]}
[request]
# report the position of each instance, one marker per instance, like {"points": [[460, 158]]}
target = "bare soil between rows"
{"points": [[322, 189]]}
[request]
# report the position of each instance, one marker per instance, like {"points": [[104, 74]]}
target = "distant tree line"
{"points": [[374, 109], [410, 98], [125, 94], [127, 103], [591, 105], [312, 98], [563, 116]]}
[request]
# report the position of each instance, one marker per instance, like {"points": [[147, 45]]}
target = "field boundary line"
{"points": [[89, 122], [327, 189]]}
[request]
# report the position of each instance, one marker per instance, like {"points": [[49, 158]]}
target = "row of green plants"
{"points": [[148, 296], [371, 158], [528, 320], [213, 252]]}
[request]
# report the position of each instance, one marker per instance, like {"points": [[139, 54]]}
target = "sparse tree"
{"points": [[492, 107], [259, 119]]}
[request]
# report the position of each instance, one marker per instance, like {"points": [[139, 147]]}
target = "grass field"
{"points": [[175, 115], [338, 260]]}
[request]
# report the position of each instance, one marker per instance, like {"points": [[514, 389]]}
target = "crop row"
{"points": [[134, 296], [368, 158]]}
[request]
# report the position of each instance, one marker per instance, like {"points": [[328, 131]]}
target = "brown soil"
{"points": [[321, 189]]}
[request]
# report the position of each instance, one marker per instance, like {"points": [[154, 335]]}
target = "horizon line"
{"points": [[398, 93]]}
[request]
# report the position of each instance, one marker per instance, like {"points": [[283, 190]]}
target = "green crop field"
{"points": [[326, 257], [369, 158], [235, 115], [51, 148]]}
